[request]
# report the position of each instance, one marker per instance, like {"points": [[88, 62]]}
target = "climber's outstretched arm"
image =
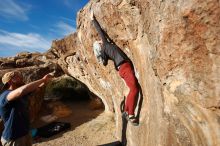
{"points": [[99, 29]]}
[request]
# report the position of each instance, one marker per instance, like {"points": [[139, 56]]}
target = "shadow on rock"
{"points": [[116, 143]]}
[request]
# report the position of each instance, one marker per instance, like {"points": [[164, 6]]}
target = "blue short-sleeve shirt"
{"points": [[15, 116]]}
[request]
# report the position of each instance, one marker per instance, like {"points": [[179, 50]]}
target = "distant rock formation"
{"points": [[174, 46]]}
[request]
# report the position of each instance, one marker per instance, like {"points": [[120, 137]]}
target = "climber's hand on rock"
{"points": [[92, 15]]}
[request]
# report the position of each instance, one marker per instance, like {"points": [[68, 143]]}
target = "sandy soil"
{"points": [[88, 128]]}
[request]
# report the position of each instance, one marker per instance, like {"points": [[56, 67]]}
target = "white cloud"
{"points": [[64, 28], [74, 4], [67, 2], [10, 9], [68, 19], [30, 42]]}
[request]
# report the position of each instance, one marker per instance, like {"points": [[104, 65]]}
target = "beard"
{"points": [[18, 84]]}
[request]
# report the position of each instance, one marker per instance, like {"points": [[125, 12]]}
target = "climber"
{"points": [[14, 108], [110, 51]]}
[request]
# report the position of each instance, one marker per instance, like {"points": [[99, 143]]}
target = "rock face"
{"points": [[175, 48]]}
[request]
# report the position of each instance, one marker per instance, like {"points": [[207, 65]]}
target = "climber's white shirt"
{"points": [[97, 51]]}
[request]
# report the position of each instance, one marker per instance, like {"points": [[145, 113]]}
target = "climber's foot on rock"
{"points": [[131, 118]]}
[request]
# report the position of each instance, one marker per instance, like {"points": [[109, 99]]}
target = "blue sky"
{"points": [[31, 25]]}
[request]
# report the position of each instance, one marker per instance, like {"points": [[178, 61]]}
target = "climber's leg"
{"points": [[126, 71]]}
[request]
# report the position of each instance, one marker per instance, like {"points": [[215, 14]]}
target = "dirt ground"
{"points": [[88, 127]]}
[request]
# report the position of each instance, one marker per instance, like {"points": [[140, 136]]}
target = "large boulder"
{"points": [[174, 46], [6, 63]]}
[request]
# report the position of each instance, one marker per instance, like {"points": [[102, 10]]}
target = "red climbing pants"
{"points": [[126, 71]]}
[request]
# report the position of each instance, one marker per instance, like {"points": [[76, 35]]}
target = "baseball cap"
{"points": [[8, 76]]}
